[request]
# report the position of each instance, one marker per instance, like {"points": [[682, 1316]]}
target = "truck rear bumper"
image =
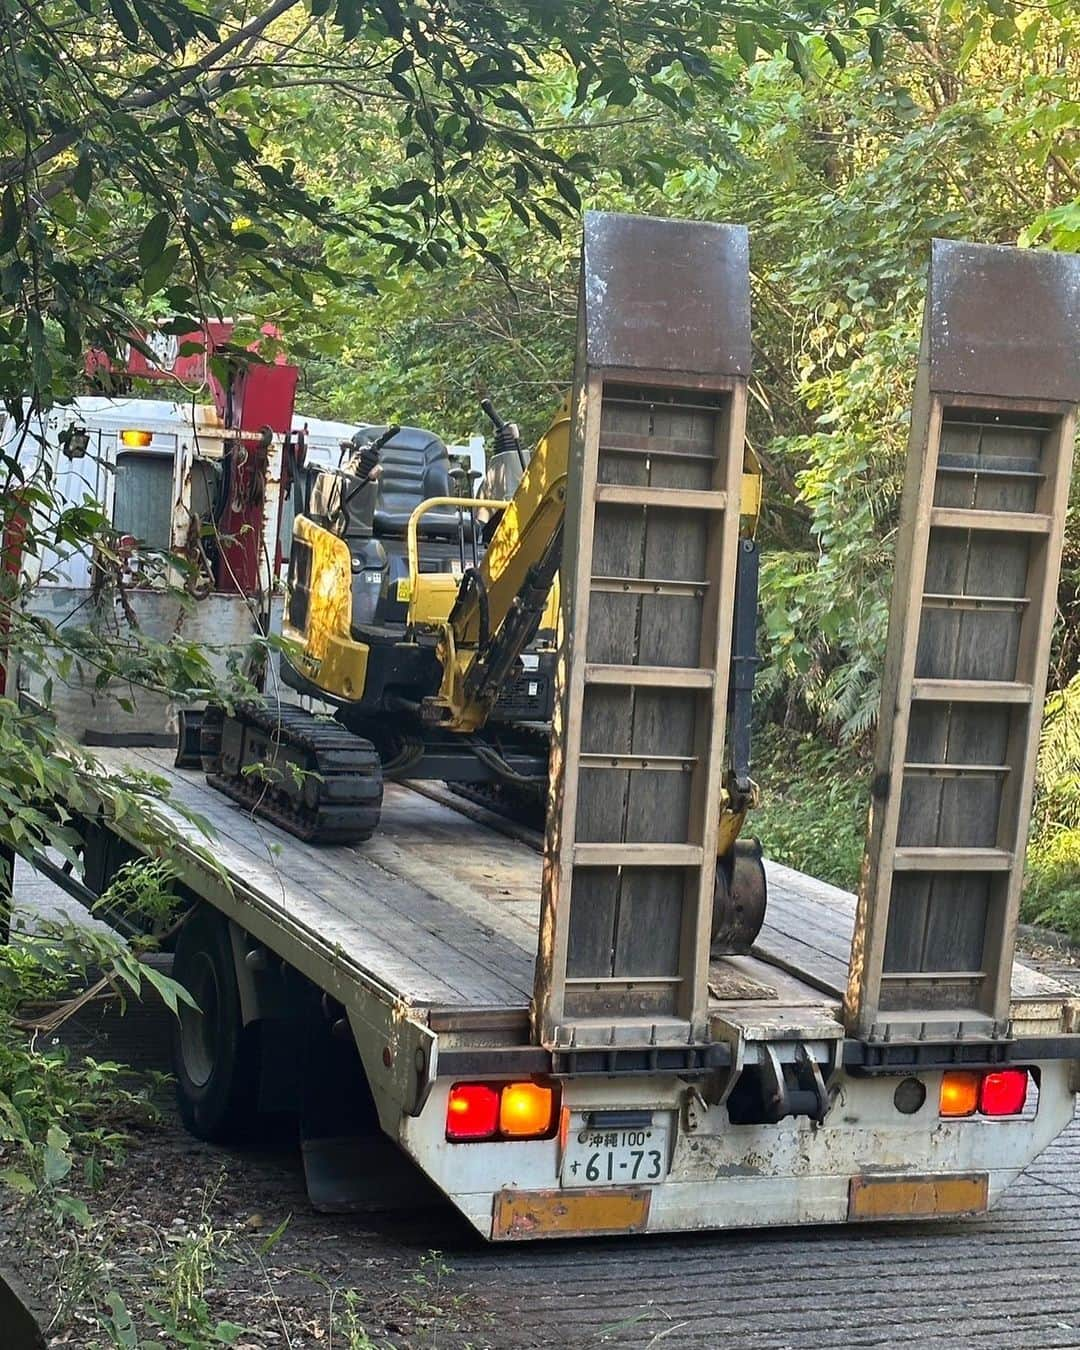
{"points": [[867, 1161]]}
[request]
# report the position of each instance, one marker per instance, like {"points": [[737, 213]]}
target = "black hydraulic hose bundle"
{"points": [[472, 580]]}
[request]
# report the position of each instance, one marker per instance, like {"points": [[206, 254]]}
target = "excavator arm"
{"points": [[501, 600]]}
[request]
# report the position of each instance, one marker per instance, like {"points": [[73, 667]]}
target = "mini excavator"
{"points": [[421, 610], [425, 617]]}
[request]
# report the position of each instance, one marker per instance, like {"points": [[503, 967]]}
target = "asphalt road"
{"points": [[1008, 1279]]}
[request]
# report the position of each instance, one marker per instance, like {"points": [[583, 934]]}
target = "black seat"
{"points": [[414, 466]]}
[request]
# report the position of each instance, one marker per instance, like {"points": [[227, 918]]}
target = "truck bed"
{"points": [[440, 912]]}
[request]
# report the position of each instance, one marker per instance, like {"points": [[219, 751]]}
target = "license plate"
{"points": [[626, 1156]]}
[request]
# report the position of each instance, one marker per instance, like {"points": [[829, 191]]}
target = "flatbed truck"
{"points": [[543, 1027]]}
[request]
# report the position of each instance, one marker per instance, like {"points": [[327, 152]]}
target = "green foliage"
{"points": [[138, 174], [1052, 883], [180, 1285], [813, 809], [54, 1109]]}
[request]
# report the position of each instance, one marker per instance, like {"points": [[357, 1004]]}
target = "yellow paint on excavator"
{"points": [[328, 654]]}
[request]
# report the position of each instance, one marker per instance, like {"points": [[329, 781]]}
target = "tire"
{"points": [[215, 1057]]}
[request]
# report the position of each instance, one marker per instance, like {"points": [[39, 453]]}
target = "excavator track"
{"points": [[521, 806], [306, 774]]}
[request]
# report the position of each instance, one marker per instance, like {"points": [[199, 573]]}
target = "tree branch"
{"points": [[149, 98]]}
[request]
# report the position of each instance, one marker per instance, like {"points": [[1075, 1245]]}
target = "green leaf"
{"points": [[18, 1181], [797, 55], [153, 23], [57, 1164], [125, 20], [76, 1208], [402, 194], [172, 994], [877, 46], [567, 191], [349, 16], [122, 1328], [518, 210], [153, 238], [746, 42], [159, 271], [83, 178], [275, 1237], [10, 221], [550, 224], [57, 1138]]}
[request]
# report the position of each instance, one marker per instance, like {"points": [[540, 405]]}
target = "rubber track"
{"points": [[349, 775], [512, 804], [525, 806]]}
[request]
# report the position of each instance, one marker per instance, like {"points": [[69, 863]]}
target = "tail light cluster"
{"points": [[484, 1111], [1002, 1092]]}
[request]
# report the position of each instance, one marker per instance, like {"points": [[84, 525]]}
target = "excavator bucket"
{"points": [[974, 598], [648, 579]]}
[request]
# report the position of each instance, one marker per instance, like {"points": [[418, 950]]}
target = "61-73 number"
{"points": [[640, 1165]]}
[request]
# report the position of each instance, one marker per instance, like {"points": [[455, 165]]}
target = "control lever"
{"points": [[507, 436], [363, 463], [366, 460]]}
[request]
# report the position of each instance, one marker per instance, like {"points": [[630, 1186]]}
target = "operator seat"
{"points": [[414, 466]]}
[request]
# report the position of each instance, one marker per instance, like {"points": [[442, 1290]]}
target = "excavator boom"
{"points": [[502, 599]]}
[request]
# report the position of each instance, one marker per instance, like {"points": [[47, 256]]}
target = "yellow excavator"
{"points": [[424, 612]]}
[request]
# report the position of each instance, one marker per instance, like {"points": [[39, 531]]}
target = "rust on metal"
{"points": [[885, 1197], [636, 319], [1003, 321], [521, 1215]]}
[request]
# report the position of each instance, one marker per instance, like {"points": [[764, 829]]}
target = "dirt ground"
{"points": [[421, 1279], [288, 1276]]}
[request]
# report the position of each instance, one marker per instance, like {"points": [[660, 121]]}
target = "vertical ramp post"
{"points": [[648, 578], [977, 561]]}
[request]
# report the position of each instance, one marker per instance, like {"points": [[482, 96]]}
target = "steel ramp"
{"points": [[977, 561], [648, 577]]}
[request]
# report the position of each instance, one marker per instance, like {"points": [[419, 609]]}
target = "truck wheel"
{"points": [[215, 1057]]}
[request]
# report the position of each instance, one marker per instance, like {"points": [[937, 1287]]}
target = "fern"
{"points": [[1057, 803]]}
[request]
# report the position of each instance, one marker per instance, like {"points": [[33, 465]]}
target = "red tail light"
{"points": [[1004, 1092], [524, 1110], [472, 1111]]}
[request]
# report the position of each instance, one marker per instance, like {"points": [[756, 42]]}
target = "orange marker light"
{"points": [[959, 1093], [138, 439], [527, 1110], [1004, 1093], [472, 1111]]}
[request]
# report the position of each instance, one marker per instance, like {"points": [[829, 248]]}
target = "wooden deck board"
{"points": [[444, 911], [420, 942]]}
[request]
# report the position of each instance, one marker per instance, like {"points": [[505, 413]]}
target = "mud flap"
{"points": [[20, 1326]]}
